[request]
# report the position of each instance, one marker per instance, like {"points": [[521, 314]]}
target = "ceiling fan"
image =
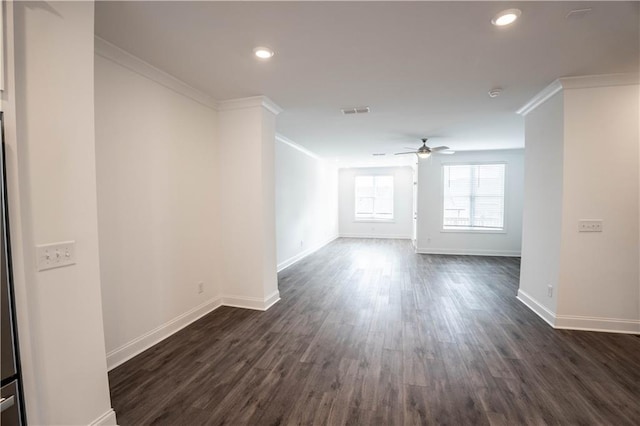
{"points": [[424, 151]]}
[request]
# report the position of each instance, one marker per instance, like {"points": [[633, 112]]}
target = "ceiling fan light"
{"points": [[423, 155]]}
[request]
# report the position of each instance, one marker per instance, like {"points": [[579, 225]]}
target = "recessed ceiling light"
{"points": [[263, 52], [506, 17]]}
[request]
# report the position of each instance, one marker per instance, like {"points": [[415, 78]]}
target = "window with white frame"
{"points": [[374, 197], [473, 197]]}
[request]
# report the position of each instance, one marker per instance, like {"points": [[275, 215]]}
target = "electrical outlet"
{"points": [[301, 243], [550, 290], [590, 226], [200, 287], [55, 255]]}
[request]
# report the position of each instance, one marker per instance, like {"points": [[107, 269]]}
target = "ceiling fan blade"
{"points": [[401, 153], [408, 147], [439, 148], [445, 152]]}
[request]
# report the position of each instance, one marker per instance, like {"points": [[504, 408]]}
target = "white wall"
{"points": [[246, 180], [53, 198], [599, 271], [591, 124], [431, 237], [400, 227], [306, 202], [542, 219], [157, 204]]}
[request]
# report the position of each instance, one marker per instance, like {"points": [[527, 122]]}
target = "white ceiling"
{"points": [[424, 68]]}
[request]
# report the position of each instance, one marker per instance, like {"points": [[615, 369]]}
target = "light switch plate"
{"points": [[55, 255], [590, 226]]}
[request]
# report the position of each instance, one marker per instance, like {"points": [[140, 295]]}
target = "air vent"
{"points": [[355, 110], [378, 154]]}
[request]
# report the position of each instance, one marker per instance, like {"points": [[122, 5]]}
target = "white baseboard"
{"points": [[468, 252], [144, 342], [127, 351], [570, 322], [251, 302], [536, 307], [303, 254], [607, 325], [390, 237], [106, 419], [272, 299]]}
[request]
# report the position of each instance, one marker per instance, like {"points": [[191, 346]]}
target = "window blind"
{"points": [[374, 197], [473, 196]]}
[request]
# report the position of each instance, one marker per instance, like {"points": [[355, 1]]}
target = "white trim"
{"points": [[254, 303], [476, 163], [140, 344], [581, 82], [571, 322], [603, 80], [271, 106], [2, 51], [385, 237], [250, 102], [372, 220], [147, 340], [374, 215], [607, 325], [542, 96], [505, 200], [272, 299], [462, 230], [482, 151], [106, 419], [123, 58], [292, 144], [468, 252], [19, 246], [293, 259], [536, 307]]}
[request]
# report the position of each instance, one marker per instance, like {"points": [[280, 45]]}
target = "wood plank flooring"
{"points": [[369, 333]]}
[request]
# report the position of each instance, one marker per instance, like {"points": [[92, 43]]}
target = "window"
{"points": [[473, 197], [374, 197]]}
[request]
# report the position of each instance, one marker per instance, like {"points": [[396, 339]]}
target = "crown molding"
{"points": [[587, 81], [294, 145], [581, 82], [542, 96], [271, 106], [125, 59], [250, 102]]}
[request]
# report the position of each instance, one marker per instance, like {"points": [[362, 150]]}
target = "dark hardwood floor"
{"points": [[369, 333]]}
